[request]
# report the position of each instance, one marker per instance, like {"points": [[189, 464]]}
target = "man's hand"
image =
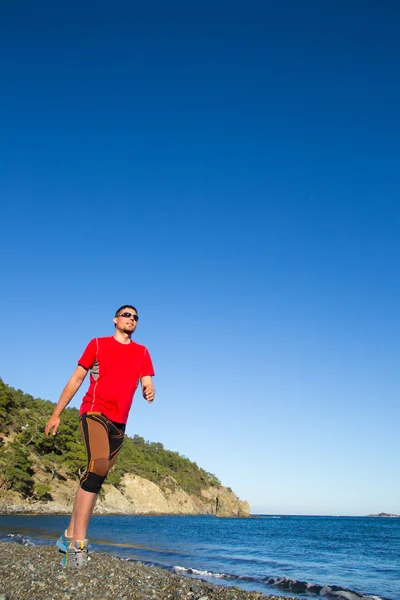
{"points": [[52, 424], [148, 390]]}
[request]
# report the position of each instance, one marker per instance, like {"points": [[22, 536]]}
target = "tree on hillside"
{"points": [[17, 468]]}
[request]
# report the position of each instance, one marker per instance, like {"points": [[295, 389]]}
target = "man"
{"points": [[116, 366]]}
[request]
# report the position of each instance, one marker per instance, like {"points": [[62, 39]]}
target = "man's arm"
{"points": [[148, 390], [67, 394]]}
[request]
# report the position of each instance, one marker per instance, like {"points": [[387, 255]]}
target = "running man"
{"points": [[116, 365]]}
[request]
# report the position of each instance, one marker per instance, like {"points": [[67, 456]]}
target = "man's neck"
{"points": [[122, 337]]}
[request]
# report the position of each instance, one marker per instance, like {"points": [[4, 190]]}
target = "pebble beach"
{"points": [[34, 572]]}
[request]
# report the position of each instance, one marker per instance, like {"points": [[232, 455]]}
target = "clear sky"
{"points": [[232, 169]]}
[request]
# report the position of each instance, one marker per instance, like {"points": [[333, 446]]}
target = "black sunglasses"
{"points": [[128, 315]]}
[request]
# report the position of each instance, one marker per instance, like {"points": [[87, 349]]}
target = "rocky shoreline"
{"points": [[54, 508], [34, 572]]}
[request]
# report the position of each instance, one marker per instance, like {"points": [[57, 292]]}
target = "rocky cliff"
{"points": [[135, 495]]}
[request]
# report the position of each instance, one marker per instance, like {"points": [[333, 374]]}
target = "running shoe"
{"points": [[76, 556], [63, 542]]}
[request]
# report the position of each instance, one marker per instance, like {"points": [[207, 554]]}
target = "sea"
{"points": [[308, 557]]}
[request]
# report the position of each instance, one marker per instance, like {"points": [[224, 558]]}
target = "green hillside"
{"points": [[23, 445]]}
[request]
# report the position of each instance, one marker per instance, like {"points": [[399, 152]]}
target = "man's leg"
{"points": [[84, 500], [83, 509], [70, 529], [103, 440], [95, 436]]}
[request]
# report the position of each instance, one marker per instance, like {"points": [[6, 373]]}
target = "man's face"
{"points": [[126, 324]]}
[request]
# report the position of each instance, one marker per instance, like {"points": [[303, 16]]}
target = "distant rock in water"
{"points": [[385, 515]]}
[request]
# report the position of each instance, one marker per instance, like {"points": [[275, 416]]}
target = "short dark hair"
{"points": [[125, 306]]}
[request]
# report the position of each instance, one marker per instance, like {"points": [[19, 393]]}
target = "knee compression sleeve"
{"points": [[95, 475]]}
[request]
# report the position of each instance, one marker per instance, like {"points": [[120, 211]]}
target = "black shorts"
{"points": [[103, 440]]}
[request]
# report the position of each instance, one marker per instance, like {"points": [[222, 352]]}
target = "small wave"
{"points": [[178, 569], [18, 539], [331, 592]]}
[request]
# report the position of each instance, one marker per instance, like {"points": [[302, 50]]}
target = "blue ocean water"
{"points": [[270, 554]]}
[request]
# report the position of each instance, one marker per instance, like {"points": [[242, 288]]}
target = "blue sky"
{"points": [[231, 169]]}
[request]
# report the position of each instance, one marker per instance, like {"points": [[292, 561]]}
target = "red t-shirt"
{"points": [[115, 371]]}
